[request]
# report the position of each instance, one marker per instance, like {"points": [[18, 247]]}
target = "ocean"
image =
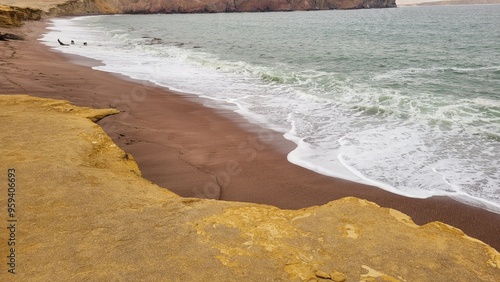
{"points": [[406, 99]]}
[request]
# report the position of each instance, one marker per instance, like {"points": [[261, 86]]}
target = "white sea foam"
{"points": [[356, 130]]}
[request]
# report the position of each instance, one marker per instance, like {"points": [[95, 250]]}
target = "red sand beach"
{"points": [[196, 151]]}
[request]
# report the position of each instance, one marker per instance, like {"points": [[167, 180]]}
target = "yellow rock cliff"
{"points": [[14, 16], [83, 212]]}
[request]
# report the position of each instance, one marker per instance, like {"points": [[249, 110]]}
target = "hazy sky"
{"points": [[413, 1]]}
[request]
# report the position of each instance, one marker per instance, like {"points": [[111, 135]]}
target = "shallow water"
{"points": [[406, 99]]}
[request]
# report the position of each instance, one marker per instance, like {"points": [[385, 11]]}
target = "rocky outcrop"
{"points": [[84, 7], [85, 213], [10, 36]]}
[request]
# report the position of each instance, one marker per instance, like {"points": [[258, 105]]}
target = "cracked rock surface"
{"points": [[85, 213]]}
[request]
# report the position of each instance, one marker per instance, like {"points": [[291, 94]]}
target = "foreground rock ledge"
{"points": [[85, 213]]}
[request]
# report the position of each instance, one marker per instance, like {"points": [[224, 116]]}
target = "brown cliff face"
{"points": [[33, 10], [82, 7], [212, 6]]}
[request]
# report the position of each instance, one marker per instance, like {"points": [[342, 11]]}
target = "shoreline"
{"points": [[194, 150], [88, 204], [305, 153]]}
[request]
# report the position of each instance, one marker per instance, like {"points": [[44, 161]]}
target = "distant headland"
{"points": [[33, 10], [448, 2]]}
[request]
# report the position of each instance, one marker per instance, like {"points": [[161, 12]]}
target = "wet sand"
{"points": [[197, 151]]}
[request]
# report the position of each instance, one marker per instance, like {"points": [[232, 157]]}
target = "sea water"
{"points": [[406, 99]]}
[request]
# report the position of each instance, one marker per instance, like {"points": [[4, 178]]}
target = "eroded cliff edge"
{"points": [[85, 213], [212, 6], [11, 16]]}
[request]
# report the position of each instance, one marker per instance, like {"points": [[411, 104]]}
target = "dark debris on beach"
{"points": [[10, 36]]}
